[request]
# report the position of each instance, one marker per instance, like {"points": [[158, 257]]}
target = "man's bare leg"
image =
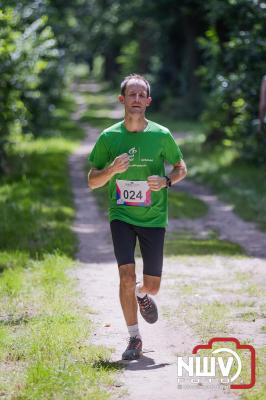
{"points": [[150, 285], [129, 307], [127, 293]]}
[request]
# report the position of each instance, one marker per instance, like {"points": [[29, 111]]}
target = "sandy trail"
{"points": [[155, 374]]}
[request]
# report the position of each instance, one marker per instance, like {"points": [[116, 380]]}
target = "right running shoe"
{"points": [[148, 309], [134, 349]]}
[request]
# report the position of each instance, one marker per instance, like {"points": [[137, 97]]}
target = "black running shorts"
{"points": [[151, 241]]}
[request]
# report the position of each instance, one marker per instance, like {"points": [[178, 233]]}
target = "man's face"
{"points": [[135, 99]]}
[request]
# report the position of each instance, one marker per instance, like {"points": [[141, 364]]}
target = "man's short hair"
{"points": [[137, 77]]}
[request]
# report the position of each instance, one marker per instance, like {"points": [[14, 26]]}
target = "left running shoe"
{"points": [[148, 309], [133, 350]]}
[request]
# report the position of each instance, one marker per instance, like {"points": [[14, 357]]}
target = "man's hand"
{"points": [[156, 182], [120, 163], [99, 177]]}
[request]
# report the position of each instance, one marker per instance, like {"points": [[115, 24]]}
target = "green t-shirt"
{"points": [[148, 150]]}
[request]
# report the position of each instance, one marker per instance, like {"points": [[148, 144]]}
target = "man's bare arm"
{"points": [[99, 177], [178, 173]]}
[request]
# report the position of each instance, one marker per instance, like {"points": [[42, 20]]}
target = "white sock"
{"points": [[138, 292], [133, 330]]}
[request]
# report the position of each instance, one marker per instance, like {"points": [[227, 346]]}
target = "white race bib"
{"points": [[133, 193]]}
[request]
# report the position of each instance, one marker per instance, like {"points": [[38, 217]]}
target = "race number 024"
{"points": [[132, 195]]}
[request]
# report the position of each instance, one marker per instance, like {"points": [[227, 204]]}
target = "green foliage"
{"points": [[37, 42], [220, 44], [27, 55], [177, 46], [27, 51], [35, 200], [234, 48], [129, 57]]}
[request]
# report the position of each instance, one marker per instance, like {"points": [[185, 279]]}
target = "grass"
{"points": [[44, 348], [252, 290], [242, 276], [45, 334], [36, 207], [184, 205], [251, 316], [185, 243]]}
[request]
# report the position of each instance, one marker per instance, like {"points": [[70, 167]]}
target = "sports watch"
{"points": [[168, 181]]}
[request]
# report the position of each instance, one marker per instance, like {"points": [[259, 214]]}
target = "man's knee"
{"points": [[127, 276], [152, 284], [155, 290], [152, 289]]}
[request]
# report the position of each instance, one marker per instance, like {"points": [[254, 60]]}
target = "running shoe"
{"points": [[148, 309], [133, 350]]}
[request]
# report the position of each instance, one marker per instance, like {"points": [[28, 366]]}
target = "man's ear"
{"points": [[121, 99], [149, 100]]}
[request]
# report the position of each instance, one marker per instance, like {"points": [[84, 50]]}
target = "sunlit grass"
{"points": [[182, 243], [184, 205], [49, 337], [45, 351]]}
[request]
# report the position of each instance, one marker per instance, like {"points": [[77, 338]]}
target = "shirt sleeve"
{"points": [[99, 156], [171, 152]]}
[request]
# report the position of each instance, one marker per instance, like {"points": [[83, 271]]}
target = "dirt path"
{"points": [[185, 280]]}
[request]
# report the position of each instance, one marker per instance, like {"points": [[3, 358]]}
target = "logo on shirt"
{"points": [[131, 153]]}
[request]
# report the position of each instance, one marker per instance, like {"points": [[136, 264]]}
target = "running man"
{"points": [[130, 155]]}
